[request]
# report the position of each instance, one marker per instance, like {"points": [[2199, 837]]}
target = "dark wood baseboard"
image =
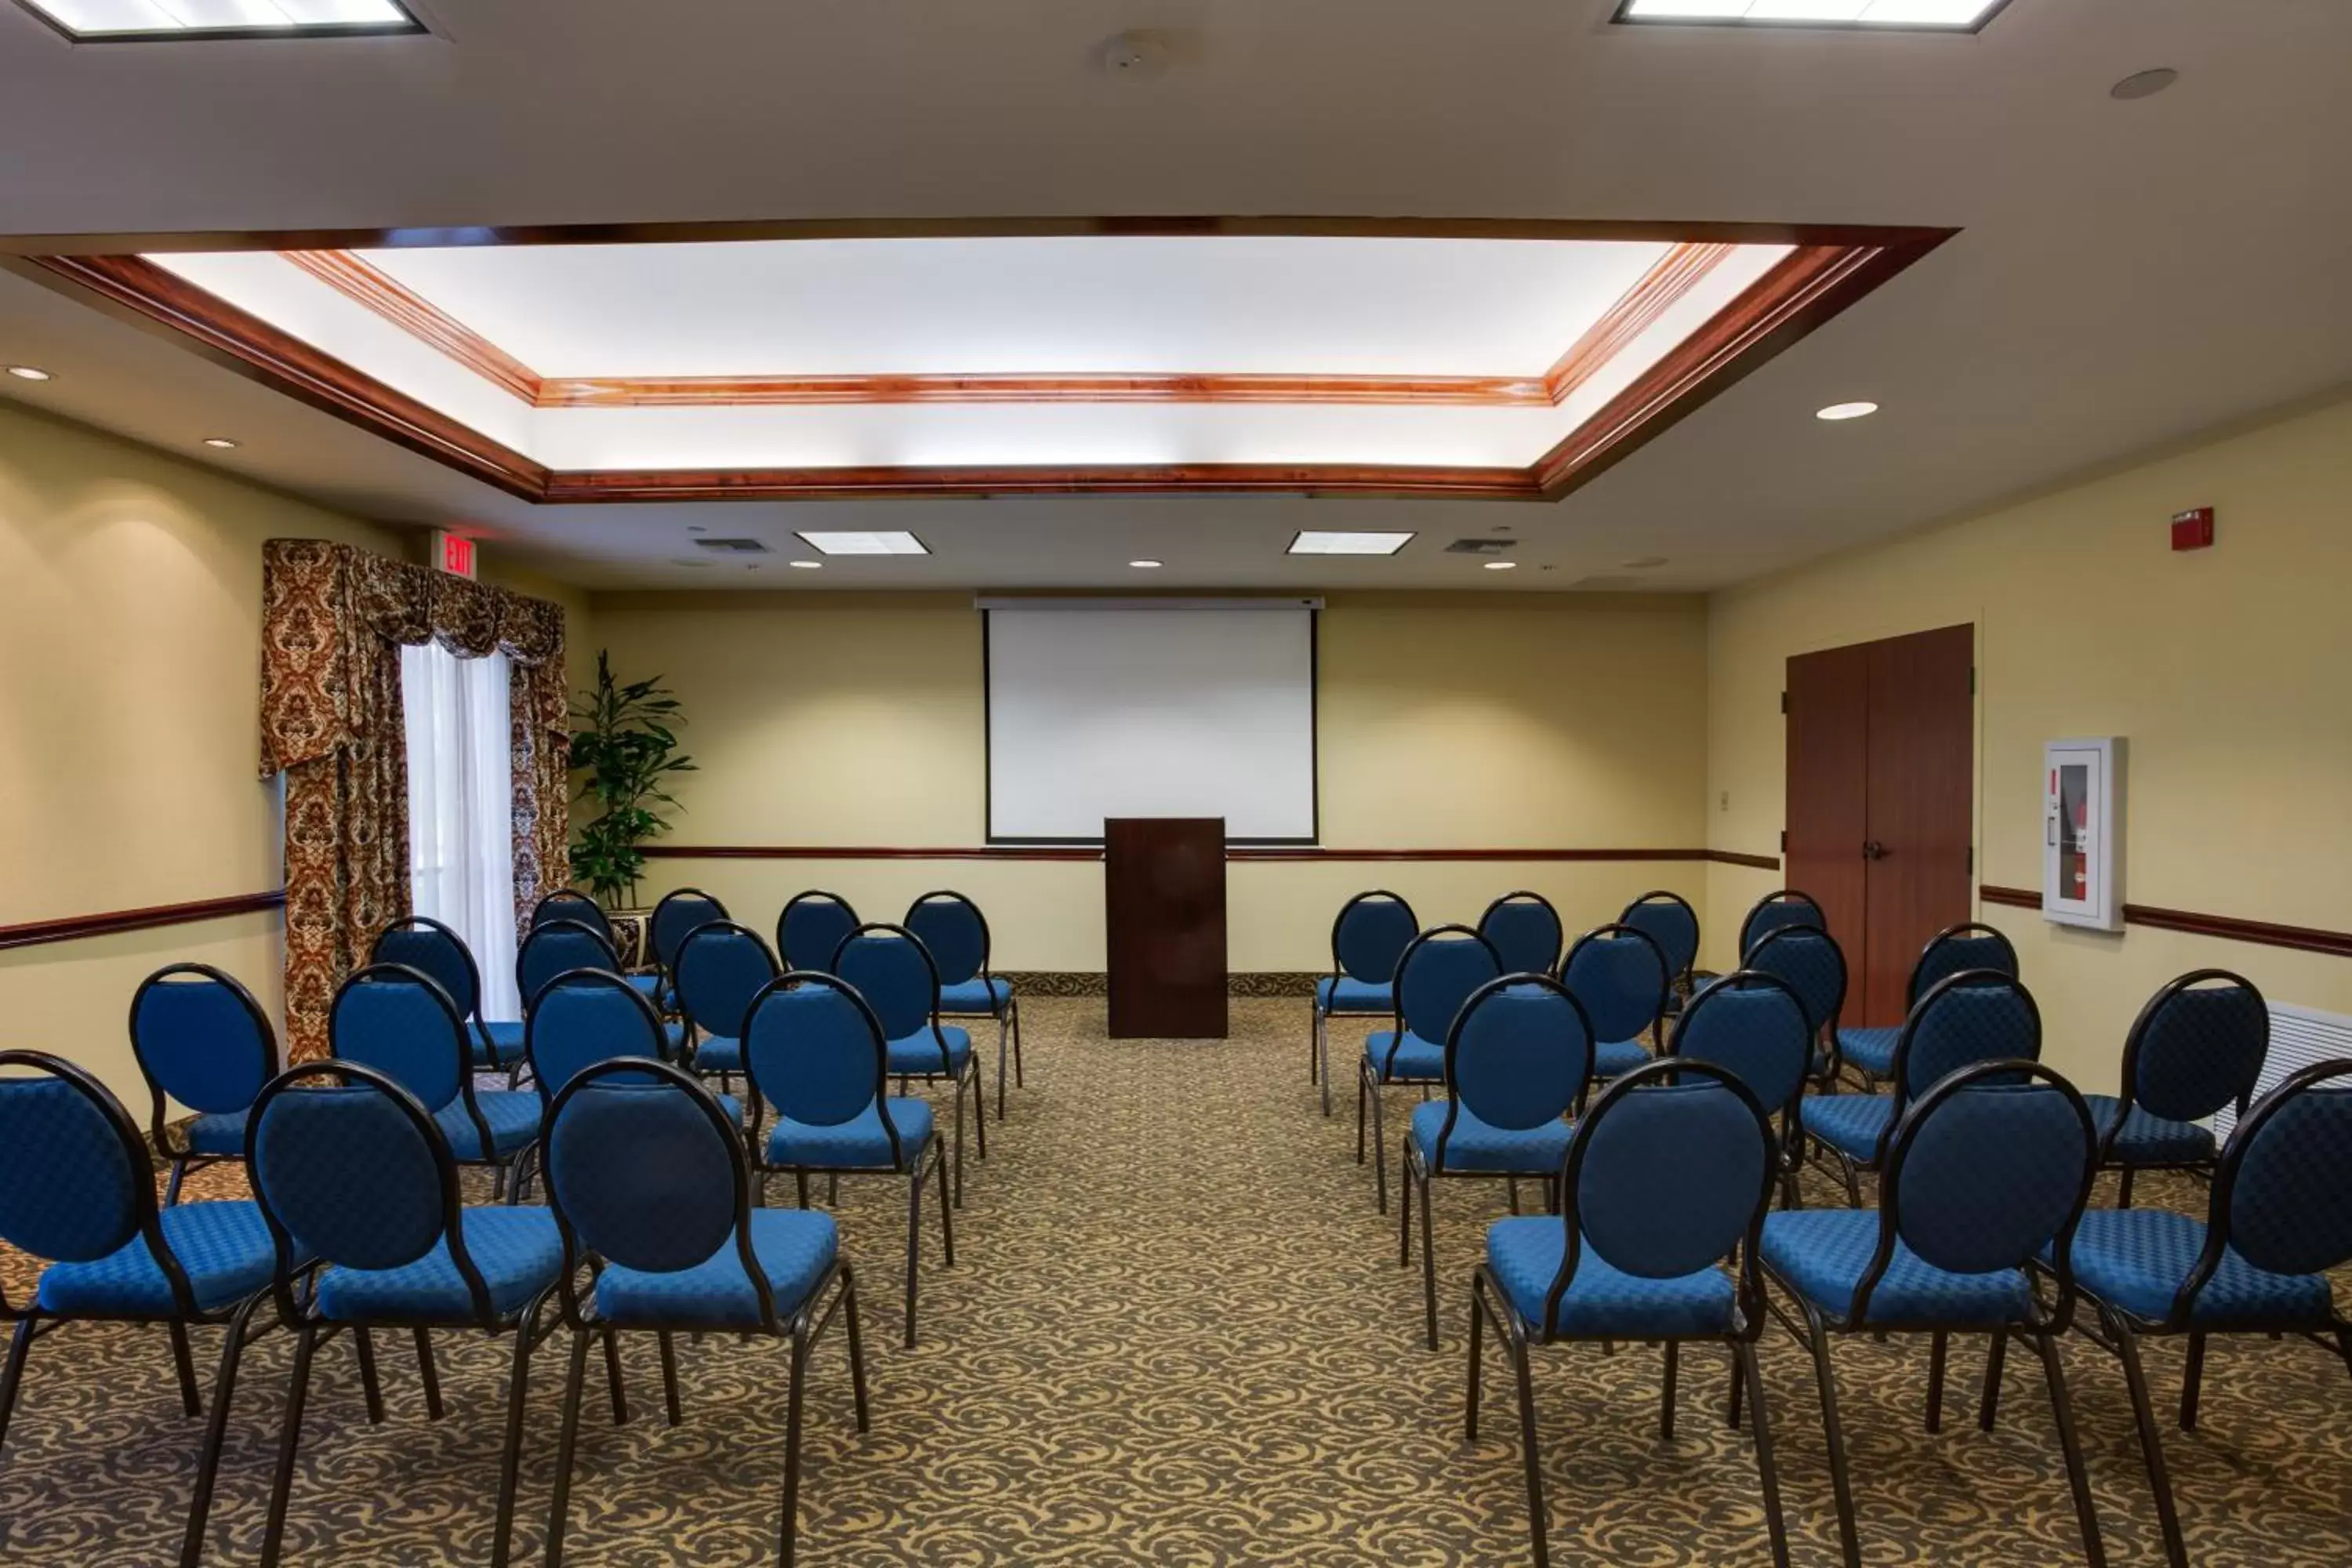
{"points": [[74, 928], [2306, 939]]}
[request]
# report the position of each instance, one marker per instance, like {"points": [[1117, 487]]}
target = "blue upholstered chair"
{"points": [[889, 967], [1518, 1061], [427, 944], [1754, 1027], [564, 904], [1368, 936], [1809, 960], [566, 947], [1665, 1186], [1985, 1178], [1975, 1016], [398, 1022], [1668, 920], [815, 1052], [951, 928], [812, 925], [653, 1198], [1434, 976], [78, 1193], [1526, 932], [1621, 976], [353, 1171], [200, 1038], [2197, 1047], [1870, 1049], [2279, 1216], [676, 916], [591, 1015], [720, 967], [1784, 907]]}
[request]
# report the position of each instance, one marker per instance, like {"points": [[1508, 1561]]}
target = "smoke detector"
{"points": [[1140, 55]]}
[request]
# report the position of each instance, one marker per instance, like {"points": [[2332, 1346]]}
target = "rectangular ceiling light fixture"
{"points": [[1922, 15], [869, 543], [133, 21], [1310, 541]]}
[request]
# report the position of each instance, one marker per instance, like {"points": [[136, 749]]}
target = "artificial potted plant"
{"points": [[625, 749]]}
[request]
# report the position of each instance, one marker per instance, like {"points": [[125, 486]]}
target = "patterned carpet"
{"points": [[1176, 1335]]}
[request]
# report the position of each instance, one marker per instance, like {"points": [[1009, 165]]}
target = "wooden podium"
{"points": [[1164, 903]]}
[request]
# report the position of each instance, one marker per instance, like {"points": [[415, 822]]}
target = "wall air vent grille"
{"points": [[734, 546]]}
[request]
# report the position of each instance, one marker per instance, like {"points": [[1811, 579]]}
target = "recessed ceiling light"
{"points": [[220, 442], [1147, 565], [119, 21], [1500, 565], [865, 541], [1316, 541], [1934, 15], [1846, 411], [29, 372], [2144, 84], [806, 566]]}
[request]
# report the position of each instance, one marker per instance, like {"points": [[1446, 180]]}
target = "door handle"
{"points": [[1874, 851]]}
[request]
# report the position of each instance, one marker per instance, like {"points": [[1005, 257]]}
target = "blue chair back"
{"points": [[1369, 936], [1519, 1055], [398, 1022], [1809, 960], [1621, 976], [814, 923], [1752, 1025], [889, 966], [426, 944], [679, 913], [1669, 1173], [2198, 1046], [720, 967], [2283, 1189], [953, 931], [648, 1176], [1975, 1016], [201, 1038], [564, 904], [1525, 931], [1667, 919], [559, 947], [1957, 947], [75, 1180], [1990, 1166], [584, 1017], [1787, 906], [815, 1051], [1438, 970]]}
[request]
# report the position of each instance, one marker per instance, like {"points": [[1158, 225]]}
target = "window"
{"points": [[461, 808], [125, 21]]}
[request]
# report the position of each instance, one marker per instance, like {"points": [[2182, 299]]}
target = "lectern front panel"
{"points": [[1164, 897]]}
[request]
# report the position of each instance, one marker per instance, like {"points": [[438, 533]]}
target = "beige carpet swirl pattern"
{"points": [[1176, 1335]]}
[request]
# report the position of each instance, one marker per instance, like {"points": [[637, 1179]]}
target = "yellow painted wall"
{"points": [[1445, 722], [2226, 669]]}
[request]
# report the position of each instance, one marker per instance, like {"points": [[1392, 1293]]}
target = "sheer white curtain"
{"points": [[461, 808]]}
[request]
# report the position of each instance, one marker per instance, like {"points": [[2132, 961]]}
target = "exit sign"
{"points": [[453, 553]]}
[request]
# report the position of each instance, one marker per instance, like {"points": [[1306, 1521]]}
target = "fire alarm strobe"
{"points": [[2193, 530]]}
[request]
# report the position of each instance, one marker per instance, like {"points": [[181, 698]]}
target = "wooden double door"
{"points": [[1881, 802]]}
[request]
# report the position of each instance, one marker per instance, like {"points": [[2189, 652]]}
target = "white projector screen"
{"points": [[1133, 712]]}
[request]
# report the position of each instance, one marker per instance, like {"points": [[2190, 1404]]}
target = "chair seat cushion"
{"points": [[223, 1247], [919, 1054], [1477, 1145], [719, 1053], [517, 1251], [1525, 1255], [217, 1132], [1821, 1254], [1852, 1124], [505, 1044], [1615, 1058], [2147, 1139], [976, 997], [2138, 1258], [512, 1115], [1416, 1060], [1347, 995], [647, 985], [1871, 1049], [857, 1144], [794, 1247]]}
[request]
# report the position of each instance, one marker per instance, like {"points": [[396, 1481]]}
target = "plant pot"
{"points": [[632, 937]]}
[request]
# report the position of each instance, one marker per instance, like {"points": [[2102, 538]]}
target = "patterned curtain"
{"points": [[334, 620]]}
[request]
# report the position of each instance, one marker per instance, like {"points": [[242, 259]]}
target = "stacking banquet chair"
{"points": [[815, 1051], [954, 931], [2198, 1046], [396, 1021], [1809, 960], [1975, 1016], [353, 1173], [720, 967], [427, 944], [591, 1015], [1368, 938], [653, 1198], [1664, 1186], [812, 925], [1621, 975], [1434, 977], [676, 916], [889, 967], [2279, 1216], [1668, 920], [202, 1040], [565, 947], [1986, 1174], [1752, 1025], [564, 904], [78, 1191], [1518, 1061], [1786, 907], [1869, 1051], [1526, 932]]}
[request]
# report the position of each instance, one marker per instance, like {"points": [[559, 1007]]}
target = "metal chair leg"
{"points": [[200, 1504], [914, 1244], [290, 1438], [183, 1362], [430, 1374], [2124, 1189], [1018, 1081], [1527, 1448], [1841, 1480], [2151, 1443], [1996, 1360], [1666, 1393], [510, 1458], [1739, 1377], [676, 1409], [565, 1443], [1323, 1057], [856, 1345], [1002, 1031], [1470, 1391], [179, 1175], [1379, 1136], [1935, 1348], [1428, 1254], [613, 1376], [2193, 1381], [979, 1104], [795, 1397], [1511, 1185], [369, 1382], [1743, 1353], [958, 1143], [20, 1345], [2062, 1408], [1362, 1087]]}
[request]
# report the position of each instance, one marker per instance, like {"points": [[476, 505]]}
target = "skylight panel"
{"points": [[120, 21], [882, 542], [1316, 541], [1922, 15]]}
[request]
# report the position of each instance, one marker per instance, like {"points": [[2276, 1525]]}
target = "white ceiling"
{"points": [[2128, 273]]}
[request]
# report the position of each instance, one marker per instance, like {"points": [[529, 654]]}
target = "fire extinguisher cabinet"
{"points": [[2082, 832]]}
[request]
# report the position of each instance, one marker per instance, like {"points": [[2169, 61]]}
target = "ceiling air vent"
{"points": [[733, 547], [1481, 546]]}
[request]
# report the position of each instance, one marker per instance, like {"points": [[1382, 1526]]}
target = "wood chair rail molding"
{"points": [[1236, 853], [75, 928], [2308, 938]]}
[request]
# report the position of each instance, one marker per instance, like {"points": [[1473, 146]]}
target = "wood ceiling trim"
{"points": [[361, 281]]}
